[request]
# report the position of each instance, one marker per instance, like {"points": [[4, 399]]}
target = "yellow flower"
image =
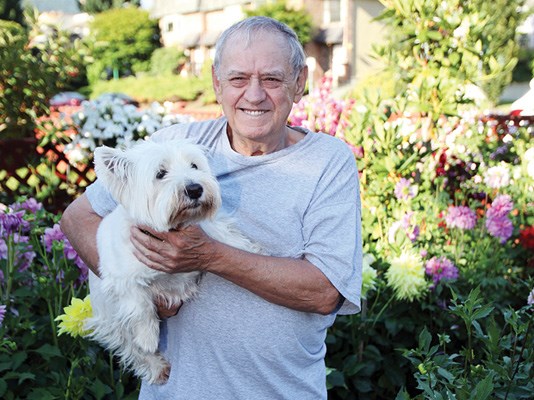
{"points": [[406, 276], [73, 321]]}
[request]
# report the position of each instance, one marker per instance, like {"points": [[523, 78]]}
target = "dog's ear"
{"points": [[111, 167]]}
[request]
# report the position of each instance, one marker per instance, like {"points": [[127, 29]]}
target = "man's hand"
{"points": [[185, 250]]}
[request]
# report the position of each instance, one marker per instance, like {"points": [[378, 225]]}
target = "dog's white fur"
{"points": [[164, 186]]}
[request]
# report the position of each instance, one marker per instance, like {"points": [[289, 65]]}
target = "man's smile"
{"points": [[253, 113]]}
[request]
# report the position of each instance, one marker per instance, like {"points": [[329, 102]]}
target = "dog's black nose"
{"points": [[194, 191]]}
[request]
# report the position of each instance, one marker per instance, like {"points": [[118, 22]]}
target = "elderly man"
{"points": [[257, 328]]}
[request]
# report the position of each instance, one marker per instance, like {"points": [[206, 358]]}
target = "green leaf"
{"points": [[425, 338], [48, 351], [434, 35], [483, 389]]}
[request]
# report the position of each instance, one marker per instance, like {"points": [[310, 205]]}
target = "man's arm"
{"points": [[293, 283], [80, 223]]}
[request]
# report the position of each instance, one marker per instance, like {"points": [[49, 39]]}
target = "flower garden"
{"points": [[448, 269], [447, 215]]}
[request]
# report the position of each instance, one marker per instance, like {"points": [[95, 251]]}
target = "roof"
{"points": [[161, 8]]}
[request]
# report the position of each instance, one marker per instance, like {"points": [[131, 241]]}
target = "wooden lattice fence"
{"points": [[41, 171]]}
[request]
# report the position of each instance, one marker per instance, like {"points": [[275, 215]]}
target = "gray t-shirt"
{"points": [[302, 201]]}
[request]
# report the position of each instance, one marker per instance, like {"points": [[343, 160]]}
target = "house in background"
{"points": [[344, 32]]}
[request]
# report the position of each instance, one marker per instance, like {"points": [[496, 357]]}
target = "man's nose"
{"points": [[255, 92]]}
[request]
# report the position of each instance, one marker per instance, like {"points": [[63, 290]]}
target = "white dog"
{"points": [[165, 186]]}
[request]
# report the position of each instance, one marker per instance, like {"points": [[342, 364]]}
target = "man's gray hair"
{"points": [[248, 26]]}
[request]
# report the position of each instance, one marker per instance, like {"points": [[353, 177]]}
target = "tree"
{"points": [[98, 6], [125, 39], [299, 20], [10, 10], [437, 49]]}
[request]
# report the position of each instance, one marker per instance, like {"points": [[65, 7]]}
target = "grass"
{"points": [[148, 88]]}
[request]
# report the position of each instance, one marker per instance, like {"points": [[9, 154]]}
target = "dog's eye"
{"points": [[194, 166], [161, 174]]}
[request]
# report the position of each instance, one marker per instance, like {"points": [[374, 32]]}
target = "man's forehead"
{"points": [[240, 54]]}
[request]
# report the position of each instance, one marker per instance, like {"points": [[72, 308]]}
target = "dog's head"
{"points": [[161, 184]]}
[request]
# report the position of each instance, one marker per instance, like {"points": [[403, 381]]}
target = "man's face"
{"points": [[257, 87]]}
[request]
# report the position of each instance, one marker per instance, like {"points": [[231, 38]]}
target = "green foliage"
{"points": [[166, 60], [148, 88], [524, 70], [299, 20], [436, 49], [24, 85], [98, 6], [32, 71], [39, 279], [497, 363], [124, 40], [10, 10], [447, 164]]}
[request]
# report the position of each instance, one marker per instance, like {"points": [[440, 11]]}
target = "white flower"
{"points": [[497, 177]]}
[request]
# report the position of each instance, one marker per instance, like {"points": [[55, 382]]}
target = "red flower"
{"points": [[526, 237]]}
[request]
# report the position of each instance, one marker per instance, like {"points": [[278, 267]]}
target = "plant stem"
{"points": [[520, 355]]}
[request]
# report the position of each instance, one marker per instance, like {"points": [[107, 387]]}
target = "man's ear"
{"points": [[301, 84], [112, 168], [216, 84]]}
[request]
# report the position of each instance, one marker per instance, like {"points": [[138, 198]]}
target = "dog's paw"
{"points": [[159, 370], [164, 374]]}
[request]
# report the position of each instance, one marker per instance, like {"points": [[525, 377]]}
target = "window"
{"points": [[332, 11]]}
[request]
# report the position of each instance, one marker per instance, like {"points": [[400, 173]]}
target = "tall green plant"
{"points": [[438, 49], [299, 20], [32, 71], [125, 39], [496, 362], [97, 6]]}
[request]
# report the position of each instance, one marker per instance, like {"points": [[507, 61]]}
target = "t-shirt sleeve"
{"points": [[332, 231], [100, 199]]}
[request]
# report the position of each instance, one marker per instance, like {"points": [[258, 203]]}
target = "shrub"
{"points": [[32, 71], [438, 49], [445, 208], [124, 40], [166, 60], [40, 274], [299, 20], [24, 84]]}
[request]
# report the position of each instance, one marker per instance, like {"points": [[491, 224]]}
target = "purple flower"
{"points": [[441, 268], [501, 228], [411, 230], [404, 190], [11, 222], [406, 223], [51, 235], [3, 249], [460, 217], [30, 205], [497, 222], [500, 207], [2, 313], [530, 299]]}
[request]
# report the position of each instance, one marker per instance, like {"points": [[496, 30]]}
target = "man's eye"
{"points": [[194, 166], [161, 174], [271, 83], [238, 81]]}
